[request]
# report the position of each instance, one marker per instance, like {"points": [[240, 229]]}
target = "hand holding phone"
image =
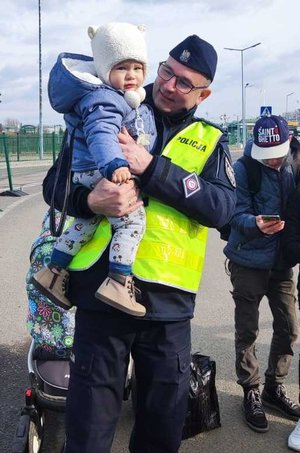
{"points": [[269, 223]]}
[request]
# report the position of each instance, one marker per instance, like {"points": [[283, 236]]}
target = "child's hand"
{"points": [[121, 174]]}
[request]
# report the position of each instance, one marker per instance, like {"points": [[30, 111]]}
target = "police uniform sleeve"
{"points": [[208, 198]]}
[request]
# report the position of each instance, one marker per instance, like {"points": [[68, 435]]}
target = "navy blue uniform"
{"points": [[159, 342]]}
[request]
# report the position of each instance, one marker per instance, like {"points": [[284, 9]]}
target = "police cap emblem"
{"points": [[184, 57]]}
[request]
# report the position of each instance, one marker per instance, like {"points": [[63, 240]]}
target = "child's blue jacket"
{"points": [[98, 109]]}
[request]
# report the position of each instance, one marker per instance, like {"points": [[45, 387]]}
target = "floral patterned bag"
{"points": [[51, 327]]}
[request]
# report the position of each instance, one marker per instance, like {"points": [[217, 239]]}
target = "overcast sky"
{"points": [[272, 68]]}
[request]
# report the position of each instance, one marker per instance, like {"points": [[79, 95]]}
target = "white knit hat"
{"points": [[116, 42]]}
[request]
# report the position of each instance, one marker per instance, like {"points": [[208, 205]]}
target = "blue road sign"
{"points": [[265, 110]]}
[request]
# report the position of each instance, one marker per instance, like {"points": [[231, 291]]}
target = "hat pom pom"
{"points": [[134, 98], [142, 92]]}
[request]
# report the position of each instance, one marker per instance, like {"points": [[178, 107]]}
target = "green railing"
{"points": [[20, 147], [25, 146]]}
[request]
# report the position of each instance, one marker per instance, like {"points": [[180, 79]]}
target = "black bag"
{"points": [[203, 412]]}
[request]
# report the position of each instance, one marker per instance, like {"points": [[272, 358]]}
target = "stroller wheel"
{"points": [[35, 435], [20, 440], [127, 386]]}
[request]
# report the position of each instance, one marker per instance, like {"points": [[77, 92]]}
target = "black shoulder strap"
{"points": [[253, 169], [65, 145]]}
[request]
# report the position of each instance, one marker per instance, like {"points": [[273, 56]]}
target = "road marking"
{"points": [[17, 203]]}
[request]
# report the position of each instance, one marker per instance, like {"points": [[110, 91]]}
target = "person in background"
{"points": [[294, 161], [291, 249], [188, 185], [294, 157], [97, 97], [257, 270]]}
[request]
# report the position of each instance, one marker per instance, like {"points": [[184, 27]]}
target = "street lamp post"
{"points": [[238, 132], [41, 135], [247, 85], [243, 87], [286, 103]]}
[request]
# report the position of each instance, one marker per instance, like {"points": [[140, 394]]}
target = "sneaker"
{"points": [[254, 413], [294, 438], [119, 292], [276, 398], [53, 282]]}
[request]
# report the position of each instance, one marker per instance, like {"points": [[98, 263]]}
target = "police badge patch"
{"points": [[191, 185], [229, 172]]}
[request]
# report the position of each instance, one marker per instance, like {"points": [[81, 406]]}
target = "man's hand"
{"points": [[270, 227], [136, 155], [110, 199]]}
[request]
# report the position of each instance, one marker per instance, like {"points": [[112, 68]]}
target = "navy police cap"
{"points": [[197, 54]]}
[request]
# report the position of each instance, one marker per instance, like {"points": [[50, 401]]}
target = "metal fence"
{"points": [[26, 146]]}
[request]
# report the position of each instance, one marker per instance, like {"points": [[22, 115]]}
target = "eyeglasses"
{"points": [[182, 85]]}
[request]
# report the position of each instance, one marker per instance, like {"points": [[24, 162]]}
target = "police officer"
{"points": [[189, 185]]}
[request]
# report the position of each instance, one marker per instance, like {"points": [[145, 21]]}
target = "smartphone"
{"points": [[270, 217]]}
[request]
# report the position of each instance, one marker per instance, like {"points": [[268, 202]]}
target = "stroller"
{"points": [[48, 384], [51, 329]]}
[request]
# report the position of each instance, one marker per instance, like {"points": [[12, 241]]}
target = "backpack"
{"points": [[253, 169], [51, 327]]}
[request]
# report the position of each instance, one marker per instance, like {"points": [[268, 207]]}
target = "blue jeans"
{"points": [[161, 354]]}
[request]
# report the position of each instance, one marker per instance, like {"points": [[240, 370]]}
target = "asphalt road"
{"points": [[212, 328]]}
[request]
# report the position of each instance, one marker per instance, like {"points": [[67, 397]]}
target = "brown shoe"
{"points": [[53, 282], [119, 292]]}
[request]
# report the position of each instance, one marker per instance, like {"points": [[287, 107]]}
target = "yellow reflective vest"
{"points": [[172, 250]]}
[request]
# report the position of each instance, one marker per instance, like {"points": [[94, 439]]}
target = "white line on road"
{"points": [[17, 203]]}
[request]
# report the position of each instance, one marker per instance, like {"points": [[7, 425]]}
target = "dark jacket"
{"points": [[212, 206], [295, 157], [291, 233], [247, 245]]}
